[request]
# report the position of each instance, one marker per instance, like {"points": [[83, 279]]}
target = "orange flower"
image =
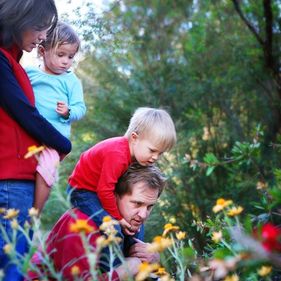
{"points": [[145, 269], [33, 150], [168, 228], [81, 226], [159, 244], [221, 204]]}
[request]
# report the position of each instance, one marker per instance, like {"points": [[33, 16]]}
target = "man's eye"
{"points": [[149, 207]]}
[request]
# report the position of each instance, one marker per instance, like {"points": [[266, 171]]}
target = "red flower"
{"points": [[271, 237]]}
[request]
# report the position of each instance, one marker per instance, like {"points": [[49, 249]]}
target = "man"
{"points": [[136, 193]]}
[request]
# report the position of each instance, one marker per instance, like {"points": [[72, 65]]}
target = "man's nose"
{"points": [[143, 213]]}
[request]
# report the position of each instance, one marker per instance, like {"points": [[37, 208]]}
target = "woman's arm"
{"points": [[16, 104]]}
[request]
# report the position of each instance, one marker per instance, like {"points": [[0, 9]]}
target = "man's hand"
{"points": [[62, 109], [139, 250], [129, 269], [126, 227]]}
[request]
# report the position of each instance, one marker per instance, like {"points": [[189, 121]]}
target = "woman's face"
{"points": [[31, 38]]}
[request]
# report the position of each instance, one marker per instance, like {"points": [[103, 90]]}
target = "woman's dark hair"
{"points": [[17, 16]]}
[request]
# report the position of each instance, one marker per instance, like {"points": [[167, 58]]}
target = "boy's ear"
{"points": [[134, 136]]}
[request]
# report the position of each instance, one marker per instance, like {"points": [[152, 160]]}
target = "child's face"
{"points": [[58, 61], [144, 150]]}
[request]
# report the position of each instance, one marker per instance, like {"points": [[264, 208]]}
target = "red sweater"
{"points": [[66, 249], [21, 125], [99, 169], [14, 141]]}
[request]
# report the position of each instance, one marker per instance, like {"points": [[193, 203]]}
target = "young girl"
{"points": [[58, 97]]}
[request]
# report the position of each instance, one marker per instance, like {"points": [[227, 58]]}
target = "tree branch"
{"points": [[268, 33], [248, 24]]}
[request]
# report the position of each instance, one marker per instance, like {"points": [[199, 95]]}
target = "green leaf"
{"points": [[222, 253], [210, 170]]}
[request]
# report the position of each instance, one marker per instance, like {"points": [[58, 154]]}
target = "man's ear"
{"points": [[41, 51]]}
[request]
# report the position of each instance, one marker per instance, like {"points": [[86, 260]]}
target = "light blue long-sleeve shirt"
{"points": [[49, 89]]}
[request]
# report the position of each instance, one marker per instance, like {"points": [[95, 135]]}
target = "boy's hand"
{"points": [[127, 228], [62, 109]]}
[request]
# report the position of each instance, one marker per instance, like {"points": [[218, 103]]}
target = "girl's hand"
{"points": [[62, 109]]}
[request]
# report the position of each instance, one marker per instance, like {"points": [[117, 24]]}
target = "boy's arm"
{"points": [[76, 104], [113, 167]]}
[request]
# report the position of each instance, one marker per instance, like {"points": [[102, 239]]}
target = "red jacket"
{"points": [[14, 140], [66, 250], [99, 169]]}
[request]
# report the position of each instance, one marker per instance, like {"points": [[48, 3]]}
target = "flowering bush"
{"points": [[239, 245]]}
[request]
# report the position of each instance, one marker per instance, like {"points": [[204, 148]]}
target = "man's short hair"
{"points": [[150, 175]]}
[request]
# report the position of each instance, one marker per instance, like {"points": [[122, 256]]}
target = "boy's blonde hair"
{"points": [[155, 124]]}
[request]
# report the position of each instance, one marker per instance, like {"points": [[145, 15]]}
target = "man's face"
{"points": [[136, 207]]}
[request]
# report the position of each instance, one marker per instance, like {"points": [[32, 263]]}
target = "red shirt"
{"points": [[65, 249], [99, 169]]}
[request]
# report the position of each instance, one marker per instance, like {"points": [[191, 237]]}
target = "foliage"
{"points": [[201, 62]]}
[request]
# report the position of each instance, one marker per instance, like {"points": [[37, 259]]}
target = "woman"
{"points": [[23, 24]]}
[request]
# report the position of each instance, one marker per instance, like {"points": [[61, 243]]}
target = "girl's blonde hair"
{"points": [[154, 124], [62, 34]]}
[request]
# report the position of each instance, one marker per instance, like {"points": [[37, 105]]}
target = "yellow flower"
{"points": [[217, 236], [107, 226], [11, 213], [206, 134], [181, 235], [161, 271], [2, 210], [235, 211], [159, 244], [106, 219], [113, 239], [233, 277], [14, 224], [221, 204], [102, 241], [145, 269], [81, 226], [33, 212], [168, 228], [8, 248], [261, 185], [264, 270], [33, 150], [75, 270]]}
